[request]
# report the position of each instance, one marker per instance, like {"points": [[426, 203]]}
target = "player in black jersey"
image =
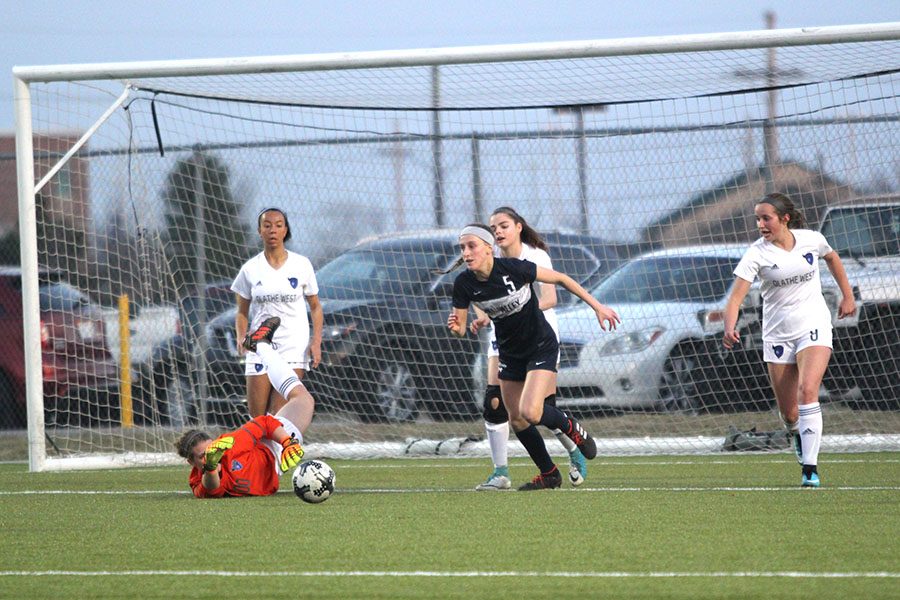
{"points": [[501, 288]]}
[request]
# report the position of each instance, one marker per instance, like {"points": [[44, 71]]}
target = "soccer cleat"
{"points": [[581, 438], [543, 482], [797, 445], [263, 334], [577, 467], [810, 477], [499, 480]]}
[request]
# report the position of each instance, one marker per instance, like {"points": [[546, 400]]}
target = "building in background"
{"points": [[724, 214], [63, 204]]}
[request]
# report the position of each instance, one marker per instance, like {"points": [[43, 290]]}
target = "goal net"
{"points": [[639, 161]]}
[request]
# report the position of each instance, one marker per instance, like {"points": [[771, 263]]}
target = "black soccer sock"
{"points": [[553, 418], [537, 450]]}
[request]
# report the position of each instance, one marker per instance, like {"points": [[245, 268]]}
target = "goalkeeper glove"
{"points": [[292, 453], [215, 451]]}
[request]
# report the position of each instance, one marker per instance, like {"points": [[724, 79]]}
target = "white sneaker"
{"points": [[497, 481], [575, 476]]}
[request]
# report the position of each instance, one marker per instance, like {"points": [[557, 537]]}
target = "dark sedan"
{"points": [[387, 354]]}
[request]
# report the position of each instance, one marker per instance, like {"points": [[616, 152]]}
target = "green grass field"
{"points": [[732, 526]]}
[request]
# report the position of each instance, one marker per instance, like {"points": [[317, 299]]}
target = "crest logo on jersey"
{"points": [[258, 366], [293, 282], [236, 466], [809, 257], [779, 350]]}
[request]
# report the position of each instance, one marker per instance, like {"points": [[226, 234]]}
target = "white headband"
{"points": [[479, 232]]}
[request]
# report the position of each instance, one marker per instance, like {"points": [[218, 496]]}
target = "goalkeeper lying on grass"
{"points": [[236, 463]]}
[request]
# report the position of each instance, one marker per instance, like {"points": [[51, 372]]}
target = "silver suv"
{"points": [[667, 352], [866, 234]]}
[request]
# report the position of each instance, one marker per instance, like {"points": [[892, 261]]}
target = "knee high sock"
{"points": [[810, 425], [280, 373], [498, 438], [553, 418], [537, 450]]}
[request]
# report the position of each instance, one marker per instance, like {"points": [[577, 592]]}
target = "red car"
{"points": [[79, 374]]}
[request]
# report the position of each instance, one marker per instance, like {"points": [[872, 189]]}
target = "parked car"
{"points": [[866, 234], [667, 352], [79, 374], [387, 353], [167, 384], [148, 327]]}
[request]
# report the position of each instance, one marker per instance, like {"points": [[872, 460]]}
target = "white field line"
{"points": [[427, 462], [427, 574], [581, 489], [423, 463]]}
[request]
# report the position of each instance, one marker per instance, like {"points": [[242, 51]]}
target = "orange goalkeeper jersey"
{"points": [[248, 467]]}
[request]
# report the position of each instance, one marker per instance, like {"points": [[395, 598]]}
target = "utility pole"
{"points": [[770, 136], [437, 150], [397, 152], [577, 111], [477, 192], [772, 77]]}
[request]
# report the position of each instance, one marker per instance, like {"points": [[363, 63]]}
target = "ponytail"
{"points": [[456, 264]]}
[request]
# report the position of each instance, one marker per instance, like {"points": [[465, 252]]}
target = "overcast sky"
{"points": [[40, 32]]}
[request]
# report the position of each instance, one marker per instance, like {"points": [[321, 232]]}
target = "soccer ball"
{"points": [[313, 481]]}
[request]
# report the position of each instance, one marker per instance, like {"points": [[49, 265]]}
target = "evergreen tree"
{"points": [[199, 204]]}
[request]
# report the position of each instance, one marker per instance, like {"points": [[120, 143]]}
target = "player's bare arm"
{"points": [[241, 321], [847, 306], [318, 321], [738, 293], [480, 321], [456, 322], [606, 316]]}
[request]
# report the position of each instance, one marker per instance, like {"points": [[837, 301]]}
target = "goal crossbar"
{"points": [[462, 55]]}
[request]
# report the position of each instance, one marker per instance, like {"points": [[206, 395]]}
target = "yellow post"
{"points": [[125, 363]]}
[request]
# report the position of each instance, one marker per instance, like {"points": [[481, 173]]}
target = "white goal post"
{"points": [[139, 182]]}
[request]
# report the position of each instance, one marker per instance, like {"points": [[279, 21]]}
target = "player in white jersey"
{"points": [[796, 320], [515, 238], [278, 283]]}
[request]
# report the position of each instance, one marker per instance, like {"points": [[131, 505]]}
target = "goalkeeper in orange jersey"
{"points": [[249, 461]]}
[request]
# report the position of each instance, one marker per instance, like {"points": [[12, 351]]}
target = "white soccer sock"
{"points": [[280, 373], [810, 425], [565, 440], [498, 440]]}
